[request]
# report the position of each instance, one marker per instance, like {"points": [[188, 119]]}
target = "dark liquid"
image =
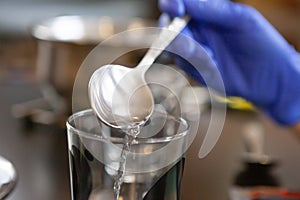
{"points": [[168, 186], [83, 181]]}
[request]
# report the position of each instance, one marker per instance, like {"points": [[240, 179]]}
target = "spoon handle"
{"points": [[166, 36]]}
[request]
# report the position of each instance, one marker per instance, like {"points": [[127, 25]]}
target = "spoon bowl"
{"points": [[120, 96]]}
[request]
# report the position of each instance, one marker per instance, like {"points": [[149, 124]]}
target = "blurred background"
{"points": [[37, 71]]}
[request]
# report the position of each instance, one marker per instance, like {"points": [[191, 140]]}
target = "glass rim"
{"points": [[89, 135]]}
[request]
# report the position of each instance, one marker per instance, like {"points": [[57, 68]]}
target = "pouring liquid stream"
{"points": [[128, 139]]}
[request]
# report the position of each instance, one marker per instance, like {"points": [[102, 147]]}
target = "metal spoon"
{"points": [[120, 96], [8, 177]]}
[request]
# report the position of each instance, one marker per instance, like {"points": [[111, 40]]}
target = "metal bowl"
{"points": [[63, 44]]}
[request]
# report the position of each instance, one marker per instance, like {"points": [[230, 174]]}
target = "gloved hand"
{"points": [[254, 60]]}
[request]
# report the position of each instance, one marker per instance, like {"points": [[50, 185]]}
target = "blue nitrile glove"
{"points": [[254, 60]]}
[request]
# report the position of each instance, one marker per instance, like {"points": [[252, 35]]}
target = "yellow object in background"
{"points": [[236, 103]]}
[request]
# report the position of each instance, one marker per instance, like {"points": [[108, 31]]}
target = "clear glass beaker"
{"points": [[153, 167]]}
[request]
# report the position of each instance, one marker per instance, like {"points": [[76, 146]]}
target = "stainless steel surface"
{"points": [[165, 37], [84, 29], [119, 95], [8, 177], [32, 11]]}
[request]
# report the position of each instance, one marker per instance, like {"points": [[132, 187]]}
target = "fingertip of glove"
{"points": [[174, 8]]}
